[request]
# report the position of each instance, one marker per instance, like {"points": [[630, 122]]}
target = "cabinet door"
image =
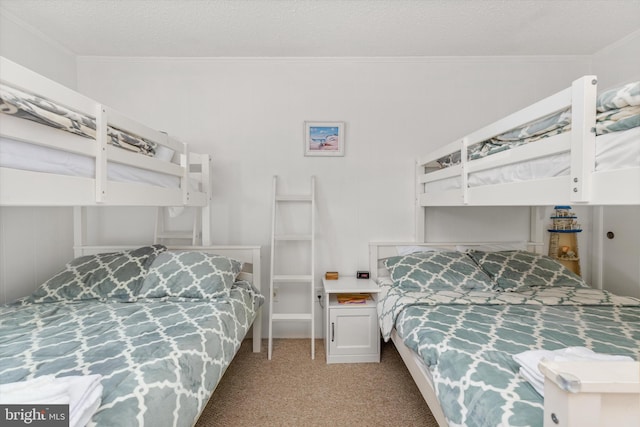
{"points": [[353, 331], [621, 266]]}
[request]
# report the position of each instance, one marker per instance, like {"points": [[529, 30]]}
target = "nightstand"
{"points": [[351, 333]]}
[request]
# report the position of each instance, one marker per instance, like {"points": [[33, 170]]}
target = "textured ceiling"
{"points": [[328, 28]]}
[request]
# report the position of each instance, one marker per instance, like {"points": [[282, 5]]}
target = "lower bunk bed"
{"points": [[472, 327], [146, 332]]}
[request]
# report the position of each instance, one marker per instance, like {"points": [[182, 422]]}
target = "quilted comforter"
{"points": [[468, 338], [160, 359]]}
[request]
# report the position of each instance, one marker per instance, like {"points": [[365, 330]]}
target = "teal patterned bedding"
{"points": [[467, 339], [160, 359], [160, 327], [616, 110]]}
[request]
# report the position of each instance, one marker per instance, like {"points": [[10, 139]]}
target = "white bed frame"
{"points": [[583, 186], [248, 255], [29, 188]]}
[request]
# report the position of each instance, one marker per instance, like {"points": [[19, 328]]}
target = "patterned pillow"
{"points": [[511, 270], [190, 275], [437, 271], [116, 275]]}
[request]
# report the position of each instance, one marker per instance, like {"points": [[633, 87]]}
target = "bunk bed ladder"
{"points": [[289, 280], [188, 237]]}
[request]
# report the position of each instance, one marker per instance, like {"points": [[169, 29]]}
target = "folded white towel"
{"points": [[86, 395], [83, 394], [529, 361]]}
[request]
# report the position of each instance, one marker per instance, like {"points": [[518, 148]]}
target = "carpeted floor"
{"points": [[293, 390]]}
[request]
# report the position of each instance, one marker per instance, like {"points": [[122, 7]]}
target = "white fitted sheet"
{"points": [[21, 155], [616, 150]]}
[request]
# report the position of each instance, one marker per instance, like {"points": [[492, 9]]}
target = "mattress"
{"points": [[467, 340], [617, 150], [160, 360], [21, 155]]}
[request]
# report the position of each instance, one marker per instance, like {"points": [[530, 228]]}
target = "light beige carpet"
{"points": [[293, 390]]}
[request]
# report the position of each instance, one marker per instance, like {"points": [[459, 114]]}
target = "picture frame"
{"points": [[324, 139]]}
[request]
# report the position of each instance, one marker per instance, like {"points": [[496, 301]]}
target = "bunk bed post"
{"points": [[101, 154], [464, 170], [186, 171], [257, 282], [597, 255], [420, 210], [536, 229], [205, 211], [79, 230], [583, 137]]}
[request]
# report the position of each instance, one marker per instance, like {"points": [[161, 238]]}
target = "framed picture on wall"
{"points": [[324, 138]]}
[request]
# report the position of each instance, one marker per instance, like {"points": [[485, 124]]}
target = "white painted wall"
{"points": [[27, 46], [249, 114], [618, 63], [35, 243]]}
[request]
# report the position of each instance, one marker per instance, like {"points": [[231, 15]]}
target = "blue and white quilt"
{"points": [[467, 339], [160, 360], [159, 327]]}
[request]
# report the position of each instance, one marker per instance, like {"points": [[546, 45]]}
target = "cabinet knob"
{"points": [[610, 235]]}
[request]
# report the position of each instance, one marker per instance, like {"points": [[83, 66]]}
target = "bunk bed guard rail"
{"points": [[579, 141]]}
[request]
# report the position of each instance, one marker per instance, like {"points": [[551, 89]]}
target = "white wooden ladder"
{"points": [[278, 236]]}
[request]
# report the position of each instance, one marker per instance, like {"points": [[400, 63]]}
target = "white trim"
{"points": [[337, 59]]}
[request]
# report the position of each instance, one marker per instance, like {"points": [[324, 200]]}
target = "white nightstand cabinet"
{"points": [[351, 333]]}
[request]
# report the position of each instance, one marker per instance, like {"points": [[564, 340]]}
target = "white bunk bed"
{"points": [[42, 165], [569, 166], [574, 167]]}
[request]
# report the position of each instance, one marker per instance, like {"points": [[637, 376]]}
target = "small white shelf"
{"points": [[350, 284]]}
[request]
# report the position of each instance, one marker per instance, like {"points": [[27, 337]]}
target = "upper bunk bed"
{"points": [[61, 148], [575, 146]]}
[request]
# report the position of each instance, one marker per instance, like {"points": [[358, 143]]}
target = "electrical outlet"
{"points": [[319, 296]]}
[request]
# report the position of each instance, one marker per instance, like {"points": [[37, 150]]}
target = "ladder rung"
{"points": [[293, 198], [175, 235], [293, 237], [291, 316], [292, 278]]}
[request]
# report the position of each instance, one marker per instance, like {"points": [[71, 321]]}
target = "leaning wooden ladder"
{"points": [[292, 279]]}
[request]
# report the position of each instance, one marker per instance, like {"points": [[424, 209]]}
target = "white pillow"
{"points": [[164, 153]]}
